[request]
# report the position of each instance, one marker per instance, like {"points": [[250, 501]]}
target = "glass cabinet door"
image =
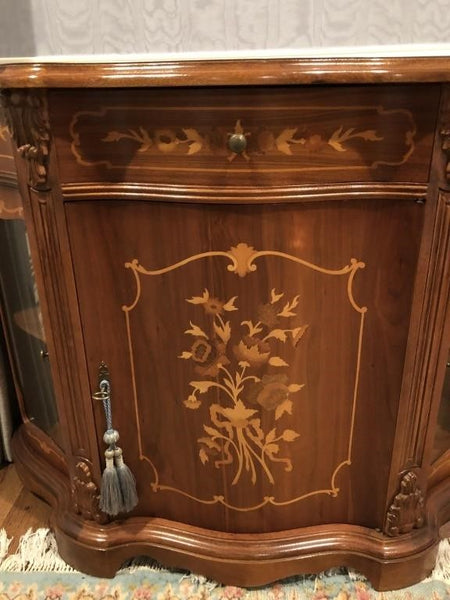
{"points": [[442, 437], [22, 317]]}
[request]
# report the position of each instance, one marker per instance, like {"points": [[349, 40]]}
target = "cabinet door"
{"points": [[20, 310], [255, 352]]}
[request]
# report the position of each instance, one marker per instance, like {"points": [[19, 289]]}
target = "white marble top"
{"points": [[385, 51]]}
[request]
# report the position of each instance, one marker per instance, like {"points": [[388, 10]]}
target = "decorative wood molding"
{"points": [[233, 194], [85, 493], [407, 509], [27, 120], [265, 71]]}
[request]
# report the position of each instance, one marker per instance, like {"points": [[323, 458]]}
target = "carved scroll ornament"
{"points": [[407, 509], [26, 116], [85, 493]]}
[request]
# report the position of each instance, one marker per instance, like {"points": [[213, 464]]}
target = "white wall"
{"points": [[55, 27]]}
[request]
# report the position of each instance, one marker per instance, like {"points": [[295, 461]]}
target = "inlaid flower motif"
{"points": [[201, 350], [267, 315], [213, 306], [192, 402], [315, 142], [252, 350], [239, 415], [231, 365], [166, 140], [216, 359], [270, 392]]}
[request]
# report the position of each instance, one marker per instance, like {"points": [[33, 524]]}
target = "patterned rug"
{"points": [[36, 572]]}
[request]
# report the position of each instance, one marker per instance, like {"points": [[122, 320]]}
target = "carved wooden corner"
{"points": [[407, 509], [85, 493], [27, 120]]}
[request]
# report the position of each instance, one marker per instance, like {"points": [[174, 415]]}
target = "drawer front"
{"points": [[288, 136]]}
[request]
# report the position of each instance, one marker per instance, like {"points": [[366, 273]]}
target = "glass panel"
{"points": [[24, 329], [442, 437]]}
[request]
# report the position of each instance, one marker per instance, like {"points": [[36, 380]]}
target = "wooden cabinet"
{"points": [[265, 271]]}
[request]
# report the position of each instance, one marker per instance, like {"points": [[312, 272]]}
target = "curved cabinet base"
{"points": [[100, 549]]}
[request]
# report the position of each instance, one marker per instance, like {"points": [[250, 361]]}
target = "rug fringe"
{"points": [[37, 551], [4, 545], [140, 563], [441, 571]]}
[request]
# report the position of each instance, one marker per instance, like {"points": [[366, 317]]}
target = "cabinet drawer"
{"points": [[292, 135]]}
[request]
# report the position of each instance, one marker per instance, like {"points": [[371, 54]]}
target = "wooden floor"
{"points": [[19, 509]]}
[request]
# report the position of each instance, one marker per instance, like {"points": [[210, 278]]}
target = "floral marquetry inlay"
{"points": [[243, 392], [191, 141], [164, 140], [291, 138], [234, 435]]}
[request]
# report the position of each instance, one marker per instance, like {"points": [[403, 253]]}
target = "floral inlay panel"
{"points": [[241, 368], [190, 141], [234, 435], [300, 138]]}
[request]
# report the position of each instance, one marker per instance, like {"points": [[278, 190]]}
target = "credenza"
{"points": [[247, 262]]}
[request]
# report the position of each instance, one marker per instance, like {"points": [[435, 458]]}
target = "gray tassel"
{"points": [[110, 492], [118, 488], [127, 482]]}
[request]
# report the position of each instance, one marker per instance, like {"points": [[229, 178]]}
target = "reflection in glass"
{"points": [[23, 320], [442, 437]]}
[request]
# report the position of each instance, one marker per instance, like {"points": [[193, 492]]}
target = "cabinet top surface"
{"points": [[225, 69]]}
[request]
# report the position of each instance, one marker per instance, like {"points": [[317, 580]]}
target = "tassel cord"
{"points": [[111, 436], [106, 389]]}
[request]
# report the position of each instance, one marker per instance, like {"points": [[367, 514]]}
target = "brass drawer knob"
{"points": [[237, 143]]}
